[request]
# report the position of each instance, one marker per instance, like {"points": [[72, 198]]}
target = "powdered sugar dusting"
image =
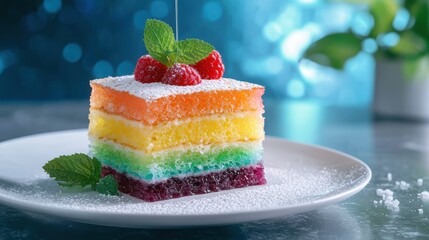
{"points": [[153, 91], [285, 187]]}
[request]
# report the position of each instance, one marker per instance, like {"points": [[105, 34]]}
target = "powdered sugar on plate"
{"points": [[285, 187], [300, 178]]}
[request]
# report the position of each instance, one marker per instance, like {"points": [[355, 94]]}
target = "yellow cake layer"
{"points": [[213, 129]]}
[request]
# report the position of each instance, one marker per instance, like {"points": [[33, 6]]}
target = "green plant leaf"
{"points": [[409, 45], [74, 170], [108, 186], [420, 11], [408, 4], [383, 12], [159, 41], [193, 50], [416, 69], [334, 49]]}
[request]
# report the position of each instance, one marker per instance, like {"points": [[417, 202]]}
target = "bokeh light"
{"points": [[290, 18], [401, 20], [388, 39], [102, 69], [295, 43], [369, 45], [260, 41], [35, 23], [274, 65], [2, 65], [212, 11], [362, 23], [139, 19], [84, 6], [295, 88], [308, 2], [125, 68], [52, 6], [159, 9], [8, 58], [273, 31], [336, 17], [72, 52], [310, 71], [39, 45]]}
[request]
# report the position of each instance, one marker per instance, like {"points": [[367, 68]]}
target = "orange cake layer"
{"points": [[116, 100]]}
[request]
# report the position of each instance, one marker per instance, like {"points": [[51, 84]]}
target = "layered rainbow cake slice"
{"points": [[164, 141]]}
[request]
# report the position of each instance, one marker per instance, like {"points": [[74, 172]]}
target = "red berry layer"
{"points": [[179, 187]]}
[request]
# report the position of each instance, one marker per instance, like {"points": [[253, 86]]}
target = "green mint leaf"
{"points": [[193, 50], [74, 170], [108, 186], [159, 41]]}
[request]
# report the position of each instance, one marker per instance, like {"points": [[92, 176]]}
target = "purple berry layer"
{"points": [[176, 187]]}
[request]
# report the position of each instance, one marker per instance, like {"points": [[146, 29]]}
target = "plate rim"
{"points": [[56, 211]]}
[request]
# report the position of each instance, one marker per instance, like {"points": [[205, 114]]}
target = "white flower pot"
{"points": [[396, 96]]}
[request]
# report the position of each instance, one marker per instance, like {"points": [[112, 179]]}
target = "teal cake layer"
{"points": [[178, 161]]}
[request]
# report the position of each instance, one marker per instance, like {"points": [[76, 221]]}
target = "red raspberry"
{"points": [[210, 67], [182, 75], [149, 70]]}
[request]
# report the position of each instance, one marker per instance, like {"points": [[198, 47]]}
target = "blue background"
{"points": [[50, 49]]}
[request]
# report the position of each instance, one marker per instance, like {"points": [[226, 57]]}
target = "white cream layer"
{"points": [[203, 149]]}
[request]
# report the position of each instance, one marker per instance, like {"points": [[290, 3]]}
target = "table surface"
{"points": [[397, 147]]}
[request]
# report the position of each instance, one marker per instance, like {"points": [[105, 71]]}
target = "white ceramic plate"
{"points": [[300, 178]]}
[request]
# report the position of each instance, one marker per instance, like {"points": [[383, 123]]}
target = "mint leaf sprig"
{"points": [[161, 45], [79, 170]]}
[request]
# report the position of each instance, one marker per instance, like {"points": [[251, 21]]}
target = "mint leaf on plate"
{"points": [[108, 186], [74, 170]]}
